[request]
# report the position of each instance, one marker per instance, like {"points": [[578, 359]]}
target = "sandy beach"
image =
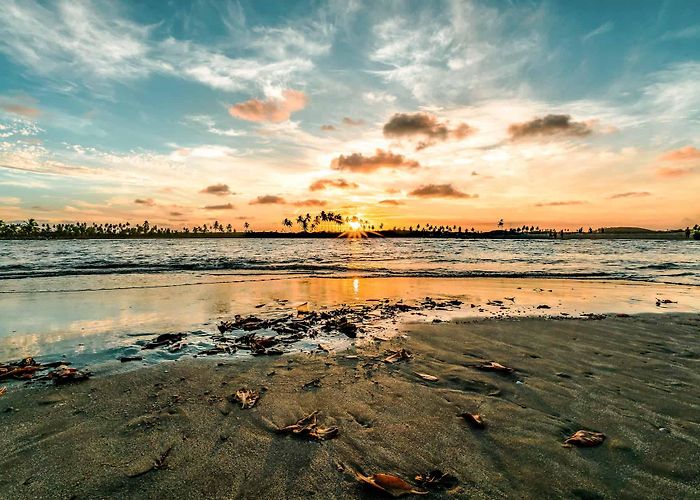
{"points": [[173, 429]]}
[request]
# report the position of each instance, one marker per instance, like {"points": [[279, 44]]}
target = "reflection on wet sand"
{"points": [[62, 322]]}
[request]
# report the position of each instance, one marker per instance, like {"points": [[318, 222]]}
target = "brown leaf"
{"points": [[308, 426], [585, 439], [323, 433], [474, 420], [388, 483], [3, 391], [398, 355], [19, 372], [492, 366], [425, 376], [65, 374], [246, 397]]}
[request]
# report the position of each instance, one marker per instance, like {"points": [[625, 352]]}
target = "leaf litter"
{"points": [[308, 427], [390, 484]]}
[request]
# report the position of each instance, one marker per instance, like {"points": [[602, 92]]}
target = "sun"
{"points": [[356, 230]]}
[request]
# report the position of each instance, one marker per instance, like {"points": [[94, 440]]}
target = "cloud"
{"points": [[675, 171], [175, 214], [550, 125], [310, 203], [424, 125], [90, 43], [353, 122], [631, 194], [19, 109], [680, 157], [682, 154], [357, 162], [378, 97], [600, 30], [332, 183], [225, 206], [685, 33], [328, 128], [391, 202], [229, 132], [273, 109], [148, 202], [268, 199], [9, 200], [217, 190], [459, 53], [560, 203], [440, 191]]}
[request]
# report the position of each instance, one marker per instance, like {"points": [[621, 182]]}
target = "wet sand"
{"points": [[170, 430], [84, 316]]}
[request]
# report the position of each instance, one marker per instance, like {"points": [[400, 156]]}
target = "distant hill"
{"points": [[623, 229]]}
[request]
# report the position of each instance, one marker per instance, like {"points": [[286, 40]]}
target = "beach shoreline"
{"points": [[173, 429], [52, 318]]}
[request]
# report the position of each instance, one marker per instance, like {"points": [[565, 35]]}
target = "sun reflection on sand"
{"points": [[112, 317]]}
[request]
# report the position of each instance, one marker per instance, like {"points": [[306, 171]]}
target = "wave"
{"points": [[331, 270], [662, 266], [619, 260]]}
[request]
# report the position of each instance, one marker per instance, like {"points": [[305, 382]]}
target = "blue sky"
{"points": [[547, 113]]}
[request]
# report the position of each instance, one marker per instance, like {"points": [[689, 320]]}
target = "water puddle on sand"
{"points": [[97, 327]]}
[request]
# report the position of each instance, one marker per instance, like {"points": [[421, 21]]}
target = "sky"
{"points": [[548, 113]]}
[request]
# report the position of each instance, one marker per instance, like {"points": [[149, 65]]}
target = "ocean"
{"points": [[675, 262], [95, 300]]}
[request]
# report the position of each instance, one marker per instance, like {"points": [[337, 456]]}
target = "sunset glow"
{"points": [[443, 112]]}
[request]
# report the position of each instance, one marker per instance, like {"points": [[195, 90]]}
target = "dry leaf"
{"points": [[308, 426], [585, 439], [388, 483], [474, 420], [65, 374], [323, 433], [425, 376], [398, 355], [492, 366], [3, 391], [246, 397]]}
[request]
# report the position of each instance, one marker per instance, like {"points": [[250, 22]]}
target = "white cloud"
{"points": [[210, 124], [93, 44], [600, 30], [18, 128], [473, 51], [685, 33], [73, 37], [288, 42], [378, 97]]}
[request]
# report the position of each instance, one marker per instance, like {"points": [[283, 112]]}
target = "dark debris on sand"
{"points": [[29, 369], [270, 336]]}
